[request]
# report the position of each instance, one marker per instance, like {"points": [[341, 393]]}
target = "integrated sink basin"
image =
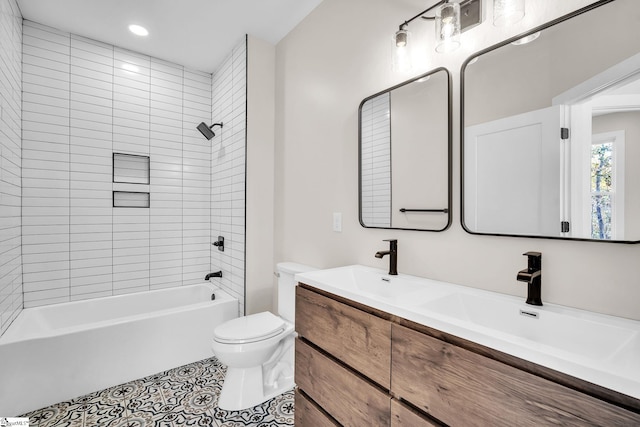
{"points": [[601, 349], [369, 282], [556, 328]]}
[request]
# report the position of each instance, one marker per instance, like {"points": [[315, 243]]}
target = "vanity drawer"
{"points": [[358, 339], [350, 399], [403, 416], [459, 387], [308, 414]]}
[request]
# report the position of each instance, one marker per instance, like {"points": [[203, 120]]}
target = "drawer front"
{"points": [[403, 416], [307, 414], [350, 399], [462, 388], [359, 339]]}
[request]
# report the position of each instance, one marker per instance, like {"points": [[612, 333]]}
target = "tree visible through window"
{"points": [[602, 190], [607, 186]]}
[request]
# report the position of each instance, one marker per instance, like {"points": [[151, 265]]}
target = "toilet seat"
{"points": [[248, 329]]}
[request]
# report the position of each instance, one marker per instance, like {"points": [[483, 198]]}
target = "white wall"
{"points": [[228, 159], [10, 160], [260, 182], [499, 75], [419, 152], [84, 100], [321, 80]]}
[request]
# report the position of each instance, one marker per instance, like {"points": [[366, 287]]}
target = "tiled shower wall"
{"points": [[10, 160], [376, 162], [228, 171], [84, 100]]}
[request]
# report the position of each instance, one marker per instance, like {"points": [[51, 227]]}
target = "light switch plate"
{"points": [[337, 222]]}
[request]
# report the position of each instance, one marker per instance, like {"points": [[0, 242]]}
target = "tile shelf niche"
{"points": [[131, 169]]}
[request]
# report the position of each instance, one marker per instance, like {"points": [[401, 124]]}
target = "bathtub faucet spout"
{"points": [[214, 274]]}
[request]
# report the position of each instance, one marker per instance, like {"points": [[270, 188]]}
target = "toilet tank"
{"points": [[287, 288]]}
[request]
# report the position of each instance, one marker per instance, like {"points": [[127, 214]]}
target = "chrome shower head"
{"points": [[206, 130]]}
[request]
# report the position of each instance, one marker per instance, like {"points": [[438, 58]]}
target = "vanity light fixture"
{"points": [[507, 12], [138, 30], [452, 18], [447, 27], [401, 57]]}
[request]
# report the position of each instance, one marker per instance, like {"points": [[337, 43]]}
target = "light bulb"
{"points": [[401, 51], [448, 27], [507, 12]]}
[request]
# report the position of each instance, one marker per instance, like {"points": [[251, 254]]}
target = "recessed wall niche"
{"points": [[130, 199], [131, 168]]}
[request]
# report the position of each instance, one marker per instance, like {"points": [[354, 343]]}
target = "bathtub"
{"points": [[58, 352]]}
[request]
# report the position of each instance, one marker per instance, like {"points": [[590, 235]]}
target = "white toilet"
{"points": [[258, 349]]}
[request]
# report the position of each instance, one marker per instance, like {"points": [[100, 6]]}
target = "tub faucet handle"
{"points": [[219, 243]]}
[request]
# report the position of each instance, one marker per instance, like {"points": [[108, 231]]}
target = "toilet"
{"points": [[259, 349]]}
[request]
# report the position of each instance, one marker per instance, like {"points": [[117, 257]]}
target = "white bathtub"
{"points": [[58, 352]]}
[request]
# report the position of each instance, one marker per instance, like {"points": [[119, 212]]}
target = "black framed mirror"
{"points": [[550, 130], [404, 162]]}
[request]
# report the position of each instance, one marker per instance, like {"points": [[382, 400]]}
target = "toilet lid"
{"points": [[254, 327]]}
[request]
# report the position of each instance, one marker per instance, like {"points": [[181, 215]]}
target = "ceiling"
{"points": [[195, 33]]}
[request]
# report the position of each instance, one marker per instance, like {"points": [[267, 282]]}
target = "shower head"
{"points": [[206, 130]]}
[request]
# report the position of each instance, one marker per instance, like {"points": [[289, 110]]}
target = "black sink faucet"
{"points": [[533, 276], [393, 256]]}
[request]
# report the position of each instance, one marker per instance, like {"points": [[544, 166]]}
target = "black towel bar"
{"points": [[445, 210]]}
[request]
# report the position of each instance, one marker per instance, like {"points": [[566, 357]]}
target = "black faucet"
{"points": [[393, 256], [533, 276], [214, 274]]}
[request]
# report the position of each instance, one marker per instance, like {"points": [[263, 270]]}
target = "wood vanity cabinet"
{"points": [[460, 387], [308, 413], [359, 366], [360, 340]]}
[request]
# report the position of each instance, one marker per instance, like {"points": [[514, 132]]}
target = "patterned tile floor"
{"points": [[184, 396]]}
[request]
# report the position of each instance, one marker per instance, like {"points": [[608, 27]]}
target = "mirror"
{"points": [[405, 155], [551, 130]]}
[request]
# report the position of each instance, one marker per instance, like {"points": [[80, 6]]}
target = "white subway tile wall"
{"points": [[91, 227], [84, 100], [228, 171], [166, 175], [376, 162], [11, 299], [196, 177]]}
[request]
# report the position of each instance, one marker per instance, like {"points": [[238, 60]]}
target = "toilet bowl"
{"points": [[259, 349]]}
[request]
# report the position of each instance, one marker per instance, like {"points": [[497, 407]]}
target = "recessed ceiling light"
{"points": [[138, 30]]}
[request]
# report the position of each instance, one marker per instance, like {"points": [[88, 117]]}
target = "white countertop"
{"points": [[601, 349]]}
